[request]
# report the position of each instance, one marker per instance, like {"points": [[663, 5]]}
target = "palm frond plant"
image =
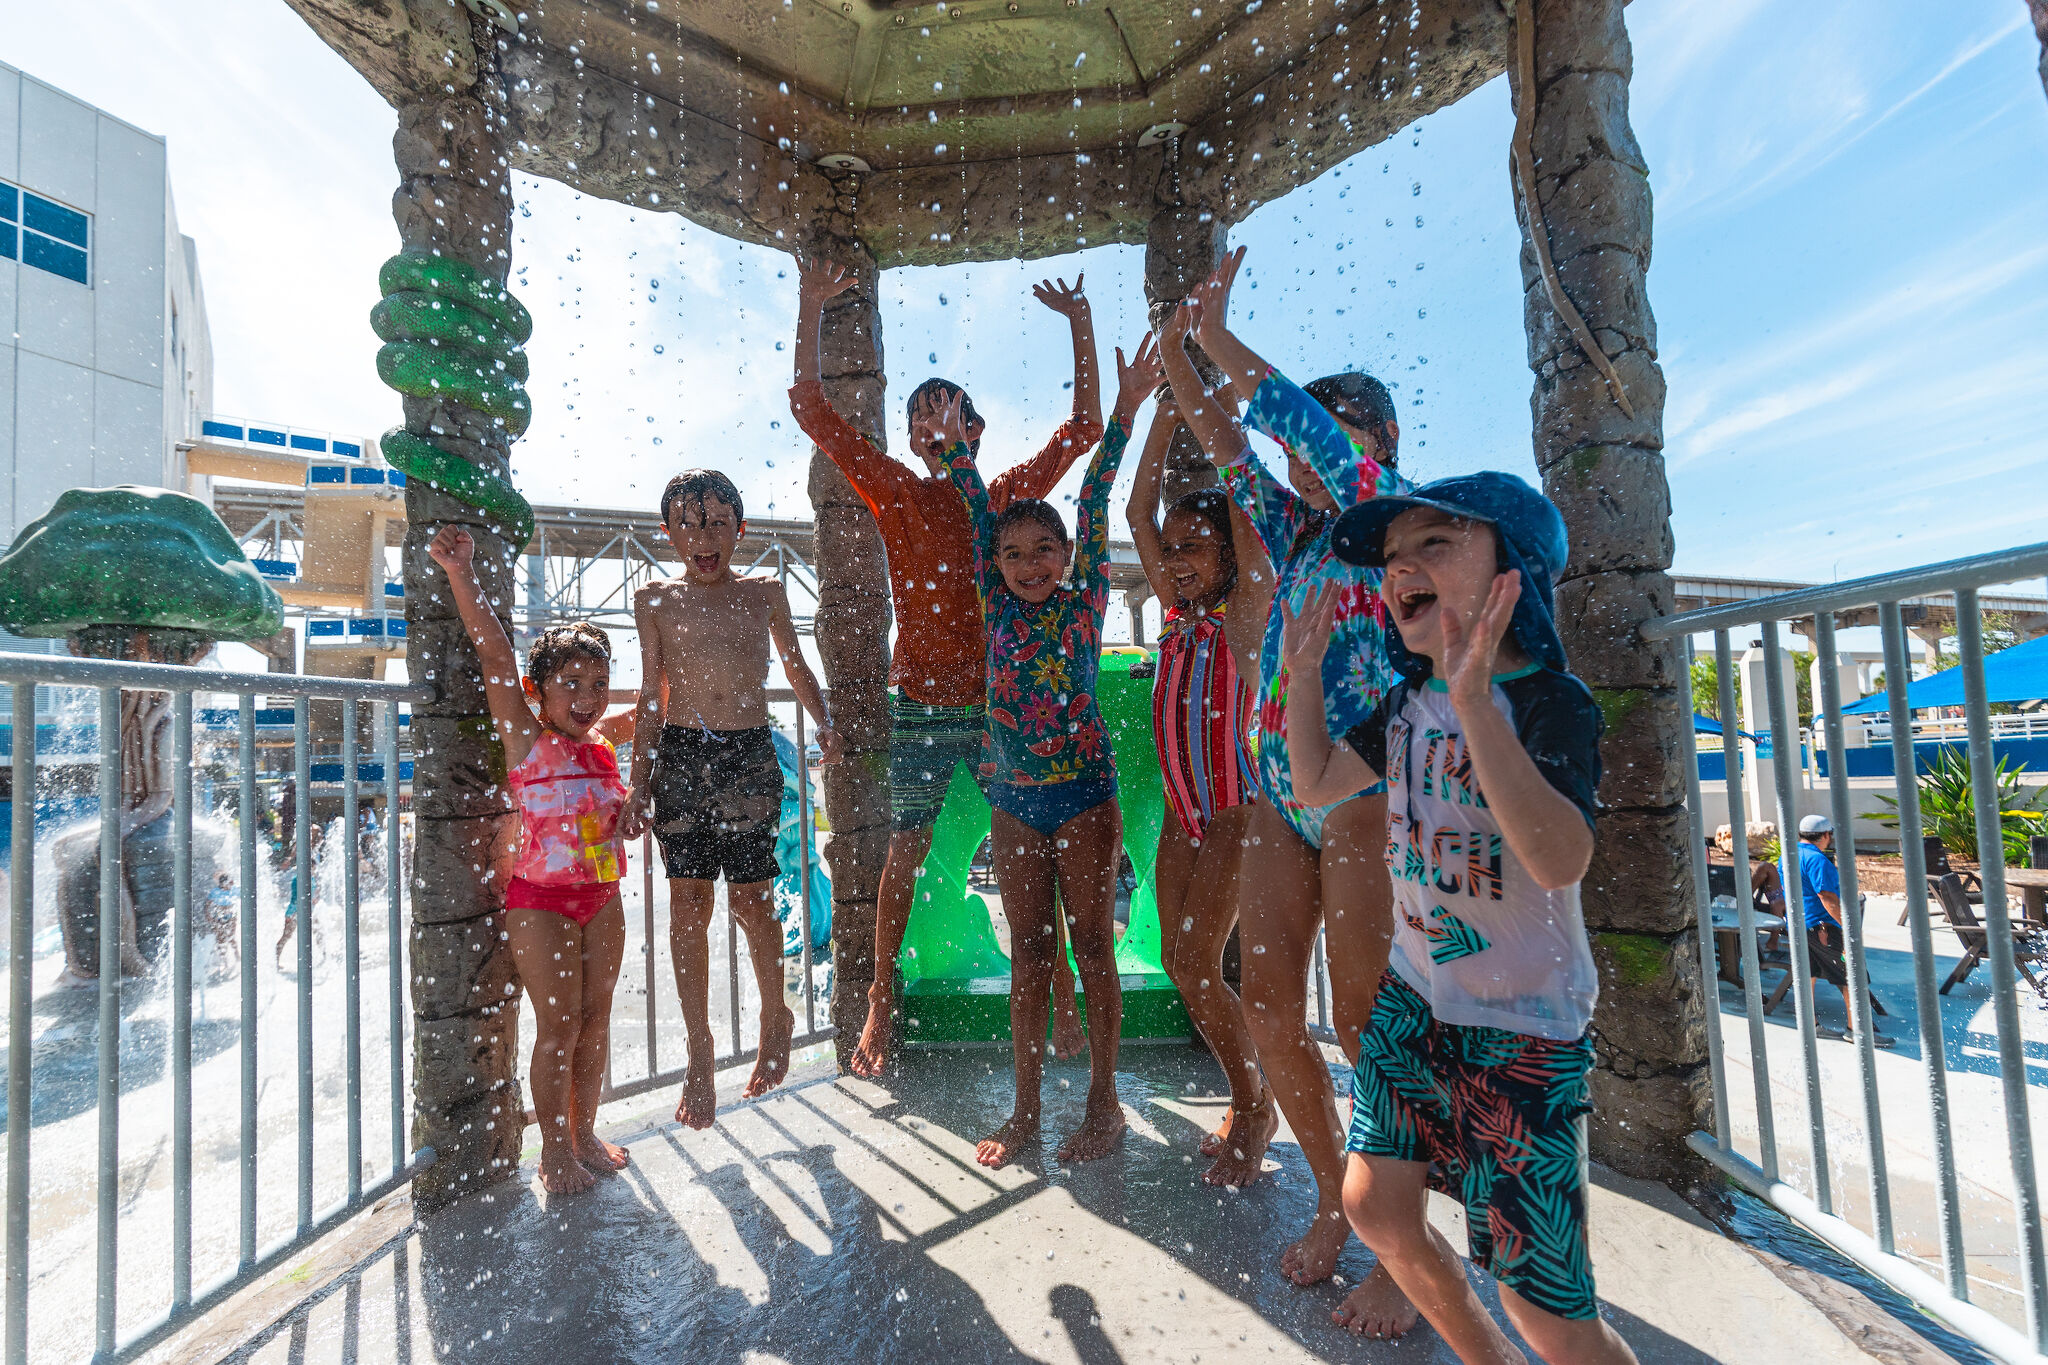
{"points": [[1947, 811]]}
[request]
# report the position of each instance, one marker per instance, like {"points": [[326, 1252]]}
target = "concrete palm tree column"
{"points": [[1603, 465], [453, 199], [852, 624]]}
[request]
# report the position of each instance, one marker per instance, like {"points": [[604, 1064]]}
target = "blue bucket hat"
{"points": [[1532, 541]]}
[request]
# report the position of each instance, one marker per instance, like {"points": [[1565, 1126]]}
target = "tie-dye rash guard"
{"points": [[1043, 660], [1356, 673]]}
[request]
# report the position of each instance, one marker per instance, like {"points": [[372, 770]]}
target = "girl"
{"points": [[1208, 574], [1055, 820], [1311, 865], [562, 910]]}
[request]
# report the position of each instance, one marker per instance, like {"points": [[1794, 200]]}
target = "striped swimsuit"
{"points": [[1201, 718]]}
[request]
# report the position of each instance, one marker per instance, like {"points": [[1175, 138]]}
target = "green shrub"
{"points": [[1946, 811]]}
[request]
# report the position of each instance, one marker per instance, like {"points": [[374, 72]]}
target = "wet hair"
{"points": [[558, 644], [1035, 510], [937, 391], [694, 485], [1212, 505], [1356, 397]]}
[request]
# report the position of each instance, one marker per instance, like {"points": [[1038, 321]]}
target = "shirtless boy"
{"points": [[702, 748], [938, 710]]}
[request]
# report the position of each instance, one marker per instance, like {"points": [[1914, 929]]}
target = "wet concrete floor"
{"points": [[841, 1220]]}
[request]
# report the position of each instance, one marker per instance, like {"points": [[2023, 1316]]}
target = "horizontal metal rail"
{"points": [[1840, 931], [57, 671]]}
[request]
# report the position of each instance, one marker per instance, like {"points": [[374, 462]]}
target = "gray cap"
{"points": [[1816, 824]]}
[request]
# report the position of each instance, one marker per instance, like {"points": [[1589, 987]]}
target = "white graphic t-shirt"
{"points": [[1473, 932]]}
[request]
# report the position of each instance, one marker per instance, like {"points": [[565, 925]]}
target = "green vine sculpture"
{"points": [[452, 332]]}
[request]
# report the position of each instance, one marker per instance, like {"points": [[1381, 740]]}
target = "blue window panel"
{"points": [[308, 443], [276, 568], [366, 476], [326, 772], [394, 589], [9, 209], [395, 477], [66, 225], [325, 628], [275, 715], [348, 448], [226, 429], [394, 630], [326, 473], [361, 627], [55, 257], [263, 436], [7, 235]]}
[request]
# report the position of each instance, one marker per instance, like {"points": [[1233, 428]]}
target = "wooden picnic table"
{"points": [[2032, 884], [1728, 940]]}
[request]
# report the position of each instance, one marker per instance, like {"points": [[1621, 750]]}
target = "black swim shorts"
{"points": [[717, 803]]}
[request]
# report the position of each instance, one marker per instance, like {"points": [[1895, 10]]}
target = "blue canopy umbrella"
{"points": [[1707, 725], [2016, 674]]}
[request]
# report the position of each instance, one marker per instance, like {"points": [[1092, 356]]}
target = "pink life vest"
{"points": [[570, 799]]}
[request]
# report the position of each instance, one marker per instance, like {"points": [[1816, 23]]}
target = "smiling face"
{"points": [[925, 437], [573, 698], [1033, 559], [705, 533], [1309, 484], [1195, 557], [1437, 563]]}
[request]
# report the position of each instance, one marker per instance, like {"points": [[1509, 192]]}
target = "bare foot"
{"points": [[771, 1061], [1212, 1144], [1098, 1135], [597, 1155], [1243, 1159], [1314, 1258], [1000, 1148], [1376, 1308], [699, 1106], [1068, 1037], [562, 1173], [72, 980], [878, 1037]]}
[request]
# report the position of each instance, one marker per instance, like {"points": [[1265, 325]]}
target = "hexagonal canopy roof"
{"points": [[1033, 126]]}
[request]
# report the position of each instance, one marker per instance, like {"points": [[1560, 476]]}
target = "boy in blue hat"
{"points": [[1472, 1075]]}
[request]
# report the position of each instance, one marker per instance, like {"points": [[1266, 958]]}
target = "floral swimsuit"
{"points": [[1356, 673]]}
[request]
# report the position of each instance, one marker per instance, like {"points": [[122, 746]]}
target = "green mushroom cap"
{"points": [[133, 556]]}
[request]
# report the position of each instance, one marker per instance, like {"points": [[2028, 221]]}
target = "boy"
{"points": [[715, 781], [1472, 1073], [938, 710]]}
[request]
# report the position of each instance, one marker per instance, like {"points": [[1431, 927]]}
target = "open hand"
{"points": [[1137, 377], [951, 425], [831, 748], [819, 280], [1470, 652], [1180, 323], [452, 548], [1305, 635], [1210, 299], [1070, 304]]}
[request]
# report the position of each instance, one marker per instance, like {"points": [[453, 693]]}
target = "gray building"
{"points": [[105, 357]]}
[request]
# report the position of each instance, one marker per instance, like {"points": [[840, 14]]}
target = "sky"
{"points": [[1850, 277]]}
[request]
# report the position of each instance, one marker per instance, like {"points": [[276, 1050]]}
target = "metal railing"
{"points": [[250, 1225], [1875, 1249]]}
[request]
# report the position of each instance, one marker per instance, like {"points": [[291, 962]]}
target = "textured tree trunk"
{"points": [[1605, 470], [453, 199], [852, 625], [2039, 9]]}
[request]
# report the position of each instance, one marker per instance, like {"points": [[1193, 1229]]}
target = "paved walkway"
{"points": [[841, 1220]]}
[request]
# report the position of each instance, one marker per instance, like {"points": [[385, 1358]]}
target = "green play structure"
{"points": [[956, 978]]}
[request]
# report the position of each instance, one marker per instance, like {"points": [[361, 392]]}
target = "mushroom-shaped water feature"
{"points": [[149, 576]]}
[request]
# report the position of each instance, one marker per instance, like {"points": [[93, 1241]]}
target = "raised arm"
{"points": [[960, 468], [797, 669], [1142, 511], [454, 550], [877, 478], [1136, 379], [1324, 772], [1072, 305], [1214, 426]]}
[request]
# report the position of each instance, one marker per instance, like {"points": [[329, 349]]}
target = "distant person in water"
{"points": [[703, 756], [938, 711]]}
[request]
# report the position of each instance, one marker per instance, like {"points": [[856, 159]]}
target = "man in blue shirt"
{"points": [[1820, 886]]}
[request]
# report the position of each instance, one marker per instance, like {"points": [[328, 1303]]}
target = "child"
{"points": [[715, 782], [562, 913], [1473, 1071], [1209, 575], [1056, 821], [938, 711], [1310, 863]]}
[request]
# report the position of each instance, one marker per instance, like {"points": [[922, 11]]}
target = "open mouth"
{"points": [[585, 715], [1411, 603], [705, 563], [1188, 585]]}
